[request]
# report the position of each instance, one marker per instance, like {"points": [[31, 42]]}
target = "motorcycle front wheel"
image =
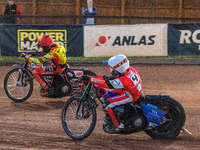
{"points": [[78, 118], [18, 85]]}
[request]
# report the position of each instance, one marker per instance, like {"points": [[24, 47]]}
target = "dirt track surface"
{"points": [[36, 123]]}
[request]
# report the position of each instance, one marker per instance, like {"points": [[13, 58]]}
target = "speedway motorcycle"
{"points": [[18, 82], [159, 116]]}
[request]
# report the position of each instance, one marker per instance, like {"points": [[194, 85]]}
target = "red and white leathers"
{"points": [[57, 55], [127, 89]]}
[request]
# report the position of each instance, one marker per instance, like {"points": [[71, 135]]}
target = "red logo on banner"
{"points": [[103, 40]]}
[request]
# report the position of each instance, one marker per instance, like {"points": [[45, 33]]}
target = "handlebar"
{"points": [[37, 53]]}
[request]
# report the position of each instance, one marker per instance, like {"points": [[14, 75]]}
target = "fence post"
{"points": [[77, 11], [180, 10], [122, 10], [34, 10]]}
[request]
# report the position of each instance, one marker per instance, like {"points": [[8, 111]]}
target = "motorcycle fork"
{"points": [[81, 112], [21, 76], [87, 105]]}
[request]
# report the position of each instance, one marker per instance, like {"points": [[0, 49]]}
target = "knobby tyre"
{"points": [[88, 72], [18, 85], [172, 123], [78, 126]]}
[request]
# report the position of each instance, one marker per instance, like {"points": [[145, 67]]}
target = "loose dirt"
{"points": [[36, 123]]}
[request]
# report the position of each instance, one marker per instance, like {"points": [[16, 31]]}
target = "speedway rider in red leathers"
{"points": [[127, 87], [54, 52]]}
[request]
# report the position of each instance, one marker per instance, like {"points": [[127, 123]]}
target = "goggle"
{"points": [[40, 46], [119, 64]]}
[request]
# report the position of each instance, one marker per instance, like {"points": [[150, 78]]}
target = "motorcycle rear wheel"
{"points": [[18, 85], [78, 126], [173, 121]]}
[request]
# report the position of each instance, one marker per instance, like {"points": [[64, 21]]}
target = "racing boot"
{"points": [[114, 129]]}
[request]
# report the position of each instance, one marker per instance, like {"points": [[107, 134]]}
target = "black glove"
{"points": [[101, 91], [85, 78]]}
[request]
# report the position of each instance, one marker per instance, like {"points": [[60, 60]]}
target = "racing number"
{"points": [[135, 79]]}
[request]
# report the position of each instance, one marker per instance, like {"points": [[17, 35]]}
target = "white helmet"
{"points": [[120, 63]]}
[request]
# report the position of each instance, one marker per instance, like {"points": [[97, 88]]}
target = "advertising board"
{"points": [[16, 39], [130, 40], [184, 39]]}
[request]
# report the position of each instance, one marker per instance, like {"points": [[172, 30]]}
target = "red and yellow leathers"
{"points": [[57, 55], [127, 90]]}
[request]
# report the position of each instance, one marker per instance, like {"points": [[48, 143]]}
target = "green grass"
{"points": [[9, 58]]}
